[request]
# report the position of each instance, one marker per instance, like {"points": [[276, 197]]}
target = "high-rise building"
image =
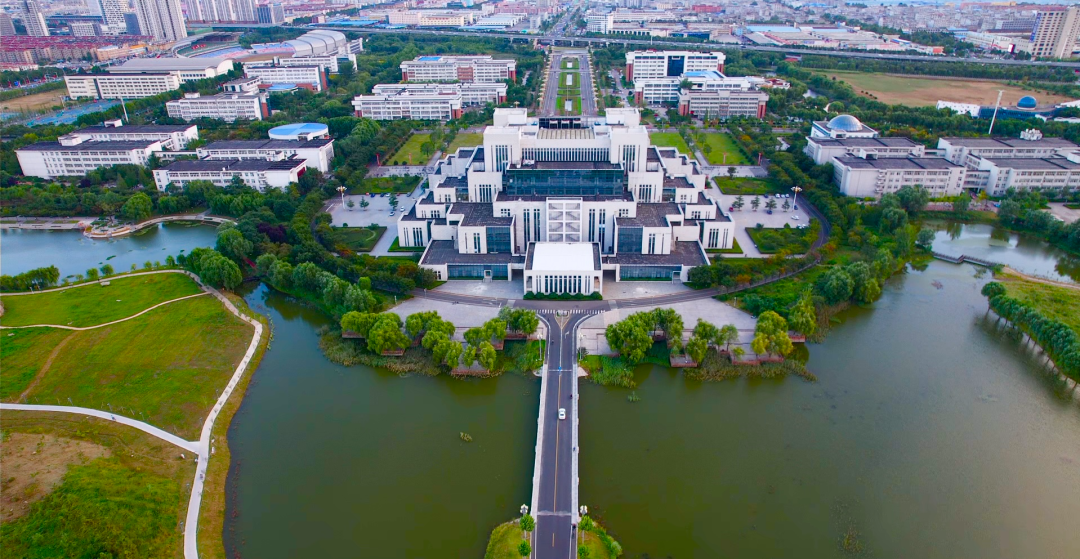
{"points": [[270, 13], [131, 22], [7, 27], [161, 19], [1055, 33], [34, 19], [113, 14], [223, 10]]}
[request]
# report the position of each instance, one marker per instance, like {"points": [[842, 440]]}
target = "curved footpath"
{"points": [[202, 448], [136, 315]]}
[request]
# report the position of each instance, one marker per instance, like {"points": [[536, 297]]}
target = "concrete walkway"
{"points": [[191, 446]]}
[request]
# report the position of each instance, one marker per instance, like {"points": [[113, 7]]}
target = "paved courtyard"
{"points": [[1066, 215], [747, 217], [377, 212]]}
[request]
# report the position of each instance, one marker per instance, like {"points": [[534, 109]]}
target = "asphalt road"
{"points": [[551, 86], [554, 536], [588, 94]]}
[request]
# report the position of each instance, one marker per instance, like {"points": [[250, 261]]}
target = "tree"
{"points": [[770, 204], [991, 290], [696, 348], [137, 208], [731, 172], [738, 352], [364, 204], [960, 205], [386, 335], [486, 356], [358, 322], [787, 205], [913, 199], [738, 203], [630, 338], [925, 238], [835, 285], [803, 316], [728, 334], [495, 329], [107, 270], [771, 335], [528, 524], [706, 331], [350, 204], [755, 203], [393, 201], [524, 549], [232, 244]]}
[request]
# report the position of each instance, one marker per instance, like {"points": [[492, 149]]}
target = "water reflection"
{"points": [[997, 244]]}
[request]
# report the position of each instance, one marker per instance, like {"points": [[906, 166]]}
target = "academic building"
{"points": [[560, 202]]}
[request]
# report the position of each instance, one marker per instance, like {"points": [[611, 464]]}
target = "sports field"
{"points": [[922, 91]]}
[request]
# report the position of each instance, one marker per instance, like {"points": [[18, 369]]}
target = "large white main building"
{"points": [[593, 191]]}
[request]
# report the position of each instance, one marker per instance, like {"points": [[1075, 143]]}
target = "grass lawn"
{"points": [[395, 247], [401, 185], [1059, 303], [95, 304], [359, 239], [596, 548], [166, 367], [669, 139], [722, 144], [919, 91], [770, 241], [574, 80], [1073, 206], [747, 186], [735, 249], [504, 541], [22, 354], [409, 154], [465, 140], [560, 103], [570, 64], [92, 488]]}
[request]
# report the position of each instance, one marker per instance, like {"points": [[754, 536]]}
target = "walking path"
{"points": [[80, 328], [203, 447]]}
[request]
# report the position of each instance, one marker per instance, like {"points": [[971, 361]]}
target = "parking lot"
{"points": [[747, 217], [377, 212]]}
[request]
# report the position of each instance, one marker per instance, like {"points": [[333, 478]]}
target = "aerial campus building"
{"points": [[562, 201], [465, 69], [649, 64], [145, 77], [426, 101]]}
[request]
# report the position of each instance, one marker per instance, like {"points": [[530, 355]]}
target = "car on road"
{"points": [[562, 413]]}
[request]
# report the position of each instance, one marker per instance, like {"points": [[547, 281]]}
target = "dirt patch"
{"points": [[922, 91], [35, 102], [34, 464]]}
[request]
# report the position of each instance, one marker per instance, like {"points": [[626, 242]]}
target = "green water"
{"points": [[929, 434], [997, 244], [330, 461]]}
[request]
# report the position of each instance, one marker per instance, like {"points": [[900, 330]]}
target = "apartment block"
{"points": [[723, 103], [1056, 31], [117, 86], [872, 177], [466, 69]]}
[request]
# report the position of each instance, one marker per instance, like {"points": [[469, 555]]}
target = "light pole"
{"points": [[341, 190], [796, 190]]}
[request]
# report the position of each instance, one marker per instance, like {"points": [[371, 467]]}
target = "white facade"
{"points": [[310, 76], [53, 159], [468, 69], [161, 19], [472, 94], [172, 138], [186, 69], [599, 23], [257, 174], [870, 178], [112, 13], [116, 86], [1056, 31], [669, 63], [968, 151], [824, 150], [840, 127], [316, 154], [723, 103], [34, 19], [229, 107], [654, 91], [405, 104], [328, 62], [1054, 176]]}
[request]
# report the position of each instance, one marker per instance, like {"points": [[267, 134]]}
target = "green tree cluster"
{"points": [[38, 278], [213, 268], [1060, 342]]}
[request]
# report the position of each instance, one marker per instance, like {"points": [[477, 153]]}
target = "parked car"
{"points": [[731, 208], [796, 206], [768, 212], [795, 217], [562, 413]]}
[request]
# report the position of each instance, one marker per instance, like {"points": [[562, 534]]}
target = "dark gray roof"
{"points": [[91, 145], [1002, 143], [135, 129], [478, 214], [266, 144], [443, 252], [571, 165], [684, 253], [897, 163], [411, 215], [1035, 164], [676, 182], [624, 197], [650, 215], [233, 165], [453, 182], [891, 142], [651, 154]]}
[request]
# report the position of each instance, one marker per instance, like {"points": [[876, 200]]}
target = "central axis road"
{"points": [[555, 489]]}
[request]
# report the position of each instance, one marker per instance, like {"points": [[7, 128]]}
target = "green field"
{"points": [[735, 249], [1058, 303], [570, 64], [410, 154], [129, 502], [504, 542], [771, 241], [721, 145], [560, 104], [359, 239], [22, 354], [166, 367], [575, 80], [746, 186], [401, 185], [670, 140], [465, 140], [95, 304], [395, 247]]}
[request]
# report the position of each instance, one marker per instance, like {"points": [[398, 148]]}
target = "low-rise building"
{"points": [[476, 69], [824, 150], [406, 104], [186, 69], [172, 137], [311, 77], [841, 126], [328, 62], [871, 177], [723, 103], [256, 173], [472, 94], [111, 86], [655, 91], [1031, 144], [668, 64], [1054, 176], [226, 106], [54, 159], [316, 154]]}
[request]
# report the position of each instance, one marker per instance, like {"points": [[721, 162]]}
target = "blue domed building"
{"points": [[842, 126], [1027, 102]]}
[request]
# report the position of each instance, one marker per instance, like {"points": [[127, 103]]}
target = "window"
{"points": [[592, 225], [498, 239], [630, 240], [652, 243], [476, 242], [505, 212], [624, 212], [714, 238]]}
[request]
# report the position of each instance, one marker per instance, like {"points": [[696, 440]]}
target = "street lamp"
{"points": [[341, 190], [796, 190], [524, 510]]}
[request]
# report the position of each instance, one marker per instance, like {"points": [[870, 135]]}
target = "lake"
{"points": [[74, 253], [997, 244]]}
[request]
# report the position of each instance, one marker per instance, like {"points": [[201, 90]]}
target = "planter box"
{"points": [[498, 344], [348, 334], [474, 371], [511, 336], [681, 361], [393, 353]]}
